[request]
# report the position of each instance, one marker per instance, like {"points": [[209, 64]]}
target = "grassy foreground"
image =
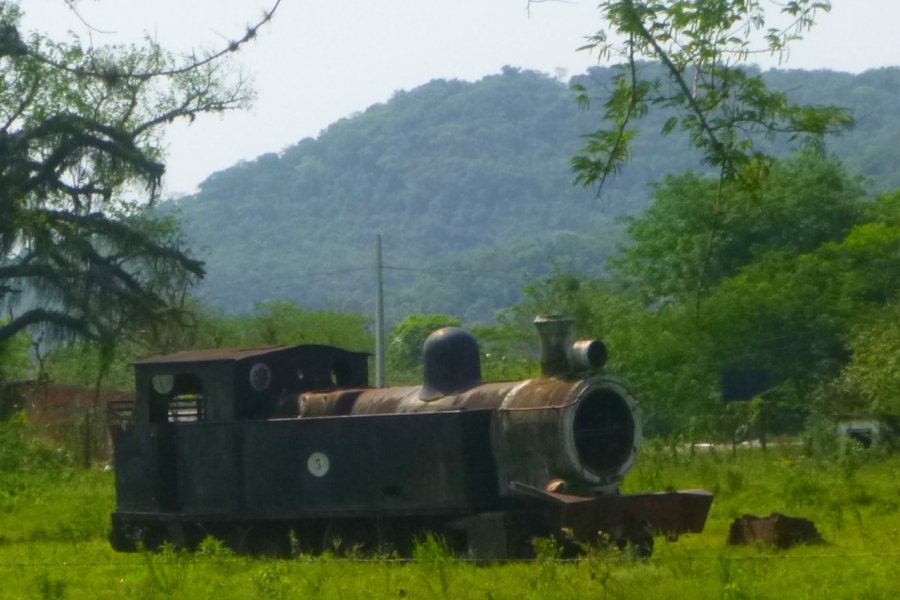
{"points": [[54, 521]]}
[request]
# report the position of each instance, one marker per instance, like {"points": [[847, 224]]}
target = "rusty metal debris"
{"points": [[777, 529]]}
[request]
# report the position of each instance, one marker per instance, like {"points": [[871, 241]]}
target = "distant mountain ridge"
{"points": [[470, 186]]}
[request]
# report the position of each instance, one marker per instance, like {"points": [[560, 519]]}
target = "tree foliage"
{"points": [[269, 324], [469, 185], [282, 322], [697, 232], [406, 341], [806, 289], [80, 159], [724, 109], [14, 360], [869, 382]]}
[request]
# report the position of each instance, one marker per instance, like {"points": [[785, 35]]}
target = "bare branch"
{"points": [[74, 9], [194, 64]]}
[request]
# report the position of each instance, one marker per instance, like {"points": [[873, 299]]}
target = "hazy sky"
{"points": [[320, 60]]}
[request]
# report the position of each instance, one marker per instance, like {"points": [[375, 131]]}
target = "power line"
{"points": [[507, 273], [460, 270], [334, 272]]}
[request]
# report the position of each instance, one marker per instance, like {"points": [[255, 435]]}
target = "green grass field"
{"points": [[54, 522]]}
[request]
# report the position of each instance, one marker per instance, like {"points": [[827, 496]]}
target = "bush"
{"points": [[20, 451]]}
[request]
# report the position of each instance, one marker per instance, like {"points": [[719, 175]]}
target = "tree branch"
{"points": [[195, 63], [52, 317]]}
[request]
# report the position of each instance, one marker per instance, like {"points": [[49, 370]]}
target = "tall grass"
{"points": [[54, 522]]}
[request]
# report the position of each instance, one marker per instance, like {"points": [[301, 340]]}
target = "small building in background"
{"points": [[868, 431]]}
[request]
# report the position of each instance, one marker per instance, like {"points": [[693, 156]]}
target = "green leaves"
{"points": [[405, 343], [273, 323], [80, 160], [798, 276], [869, 383], [725, 112], [699, 231]]}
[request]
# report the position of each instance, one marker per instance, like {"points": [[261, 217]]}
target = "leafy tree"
{"points": [[80, 159], [665, 357], [724, 109], [789, 307], [784, 314], [14, 361], [660, 353], [689, 239], [282, 322], [469, 185], [865, 269], [406, 340], [791, 315], [595, 307], [271, 323], [508, 352], [89, 364], [868, 384], [727, 112]]}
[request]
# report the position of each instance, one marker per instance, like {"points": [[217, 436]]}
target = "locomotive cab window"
{"points": [[186, 408], [176, 398], [341, 373]]}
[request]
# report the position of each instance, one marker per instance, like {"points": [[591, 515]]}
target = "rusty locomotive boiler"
{"points": [[287, 448]]}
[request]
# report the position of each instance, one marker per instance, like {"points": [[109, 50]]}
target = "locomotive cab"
{"points": [[234, 385], [179, 443]]}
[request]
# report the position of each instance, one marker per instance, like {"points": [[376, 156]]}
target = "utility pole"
{"points": [[379, 315]]}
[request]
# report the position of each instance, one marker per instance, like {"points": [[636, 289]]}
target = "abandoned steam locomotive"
{"points": [[282, 446]]}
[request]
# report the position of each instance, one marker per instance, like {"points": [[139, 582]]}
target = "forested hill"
{"points": [[470, 186]]}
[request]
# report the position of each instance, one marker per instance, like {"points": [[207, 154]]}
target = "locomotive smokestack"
{"points": [[559, 356], [555, 332]]}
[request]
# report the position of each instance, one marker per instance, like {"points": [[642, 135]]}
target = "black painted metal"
{"points": [[452, 363]]}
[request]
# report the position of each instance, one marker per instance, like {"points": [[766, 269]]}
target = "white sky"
{"points": [[320, 60]]}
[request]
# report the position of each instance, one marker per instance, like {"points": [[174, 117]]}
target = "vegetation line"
{"points": [[461, 560]]}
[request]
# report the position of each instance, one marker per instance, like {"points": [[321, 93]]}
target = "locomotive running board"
{"points": [[668, 513]]}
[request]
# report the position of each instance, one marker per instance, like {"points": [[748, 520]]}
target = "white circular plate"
{"points": [[317, 464]]}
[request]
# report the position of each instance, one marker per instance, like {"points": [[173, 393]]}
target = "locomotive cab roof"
{"points": [[237, 383]]}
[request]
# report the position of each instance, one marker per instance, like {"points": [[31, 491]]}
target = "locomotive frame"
{"points": [[287, 448]]}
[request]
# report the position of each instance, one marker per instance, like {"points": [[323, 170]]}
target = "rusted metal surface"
{"points": [[72, 415], [586, 517], [777, 529], [45, 402], [559, 356], [398, 400], [534, 393], [120, 412], [211, 355], [554, 332], [584, 431], [538, 394]]}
